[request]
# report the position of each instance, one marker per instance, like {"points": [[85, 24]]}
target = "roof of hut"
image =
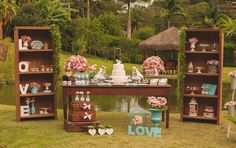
{"points": [[166, 40]]}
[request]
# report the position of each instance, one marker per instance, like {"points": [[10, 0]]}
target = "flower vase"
{"points": [[193, 46], [212, 69], [231, 110], [155, 116], [34, 89], [233, 82], [25, 44], [32, 109], [76, 74]]}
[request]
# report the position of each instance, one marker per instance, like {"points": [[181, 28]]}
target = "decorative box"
{"points": [[154, 82], [81, 106], [82, 116], [209, 112], [163, 82]]}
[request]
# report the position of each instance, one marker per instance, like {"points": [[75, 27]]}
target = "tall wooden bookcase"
{"points": [[199, 59], [37, 58]]}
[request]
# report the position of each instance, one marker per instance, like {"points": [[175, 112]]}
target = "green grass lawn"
{"points": [[50, 133]]}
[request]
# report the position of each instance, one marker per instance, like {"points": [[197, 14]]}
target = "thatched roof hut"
{"points": [[167, 40]]}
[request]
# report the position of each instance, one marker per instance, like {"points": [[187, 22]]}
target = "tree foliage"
{"points": [[41, 12]]}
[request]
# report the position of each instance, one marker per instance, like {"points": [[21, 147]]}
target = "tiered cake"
{"points": [[118, 73], [81, 115]]}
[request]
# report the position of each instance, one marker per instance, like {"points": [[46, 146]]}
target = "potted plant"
{"points": [[109, 129], [232, 74], [76, 64], [92, 130], [212, 66], [156, 106], [34, 87], [101, 129], [153, 65], [25, 39], [193, 42], [230, 105]]}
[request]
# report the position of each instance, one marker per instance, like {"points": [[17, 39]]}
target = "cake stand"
{"points": [[199, 69]]}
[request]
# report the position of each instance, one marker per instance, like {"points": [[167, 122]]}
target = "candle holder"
{"points": [[193, 89], [204, 89], [87, 97]]}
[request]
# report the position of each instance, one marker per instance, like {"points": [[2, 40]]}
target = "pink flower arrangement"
{"points": [[47, 84], [34, 84], [25, 38], [212, 62], [93, 68], [137, 120], [76, 63], [232, 74], [193, 40], [157, 102], [153, 64]]}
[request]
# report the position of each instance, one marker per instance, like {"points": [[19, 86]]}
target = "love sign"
{"points": [[144, 130]]}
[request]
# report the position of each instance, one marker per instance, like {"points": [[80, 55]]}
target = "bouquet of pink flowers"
{"points": [[193, 40], [93, 68], [137, 120], [154, 64], [232, 74], [213, 62], [157, 102], [76, 63], [34, 84], [25, 38]]}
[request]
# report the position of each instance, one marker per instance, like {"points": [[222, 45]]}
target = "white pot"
{"points": [[101, 131], [233, 83], [109, 131], [25, 43], [231, 110], [92, 132]]}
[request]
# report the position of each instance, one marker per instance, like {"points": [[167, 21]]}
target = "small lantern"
{"points": [[137, 117], [190, 67], [193, 107]]}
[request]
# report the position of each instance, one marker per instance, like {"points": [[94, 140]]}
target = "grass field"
{"points": [[50, 133]]}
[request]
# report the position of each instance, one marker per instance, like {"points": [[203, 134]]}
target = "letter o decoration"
{"points": [[24, 66]]}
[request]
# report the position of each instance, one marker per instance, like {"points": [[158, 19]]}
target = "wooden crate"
{"points": [[78, 126]]}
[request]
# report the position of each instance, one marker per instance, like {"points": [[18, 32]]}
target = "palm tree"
{"points": [[170, 8], [129, 26], [229, 26], [8, 10], [213, 16]]}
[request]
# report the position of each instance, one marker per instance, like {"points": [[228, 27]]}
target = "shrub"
{"points": [[230, 54], [144, 33]]}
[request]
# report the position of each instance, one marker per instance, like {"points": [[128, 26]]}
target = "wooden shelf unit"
{"points": [[200, 58], [36, 59]]}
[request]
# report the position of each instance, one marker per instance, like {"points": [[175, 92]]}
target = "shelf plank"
{"points": [[38, 116], [37, 94], [38, 72], [201, 74], [199, 117], [200, 96], [200, 52], [35, 50]]}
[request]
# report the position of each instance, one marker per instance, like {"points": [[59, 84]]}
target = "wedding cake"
{"points": [[118, 73]]}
